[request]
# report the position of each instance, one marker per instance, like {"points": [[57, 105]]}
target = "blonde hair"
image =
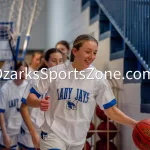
{"points": [[79, 41]]}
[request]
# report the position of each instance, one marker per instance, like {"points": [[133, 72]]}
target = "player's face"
{"points": [[21, 73], [36, 60], [55, 59], [86, 54], [63, 49]]}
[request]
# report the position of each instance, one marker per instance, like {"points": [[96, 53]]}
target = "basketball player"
{"points": [[35, 61], [10, 101], [43, 62], [63, 46], [53, 57], [72, 101]]}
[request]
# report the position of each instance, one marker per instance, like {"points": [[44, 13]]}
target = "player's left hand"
{"points": [[36, 140], [7, 141]]}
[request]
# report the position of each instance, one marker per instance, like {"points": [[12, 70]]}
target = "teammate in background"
{"points": [[53, 57], [64, 47], [72, 101], [43, 62], [35, 61], [10, 101]]}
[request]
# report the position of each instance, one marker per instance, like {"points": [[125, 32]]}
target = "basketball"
{"points": [[91, 128], [87, 146], [141, 135], [103, 135], [102, 145], [100, 114]]}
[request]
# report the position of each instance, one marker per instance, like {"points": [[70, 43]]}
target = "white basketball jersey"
{"points": [[10, 101], [72, 100], [36, 115]]}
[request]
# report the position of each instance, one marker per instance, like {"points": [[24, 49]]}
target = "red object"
{"points": [[87, 146], [100, 114], [141, 135], [103, 126], [102, 145], [91, 128]]}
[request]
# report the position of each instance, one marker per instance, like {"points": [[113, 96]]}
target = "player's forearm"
{"points": [[115, 114], [2, 124], [33, 101], [26, 117]]}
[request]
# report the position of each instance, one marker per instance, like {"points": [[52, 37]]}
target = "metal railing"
{"points": [[132, 18]]}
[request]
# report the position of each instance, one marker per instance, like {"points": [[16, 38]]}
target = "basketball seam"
{"points": [[134, 139], [142, 135], [144, 123]]}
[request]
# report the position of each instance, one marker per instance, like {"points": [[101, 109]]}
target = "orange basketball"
{"points": [[141, 135]]}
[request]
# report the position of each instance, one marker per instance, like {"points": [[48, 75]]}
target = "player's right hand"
{"points": [[7, 141], [44, 104]]}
